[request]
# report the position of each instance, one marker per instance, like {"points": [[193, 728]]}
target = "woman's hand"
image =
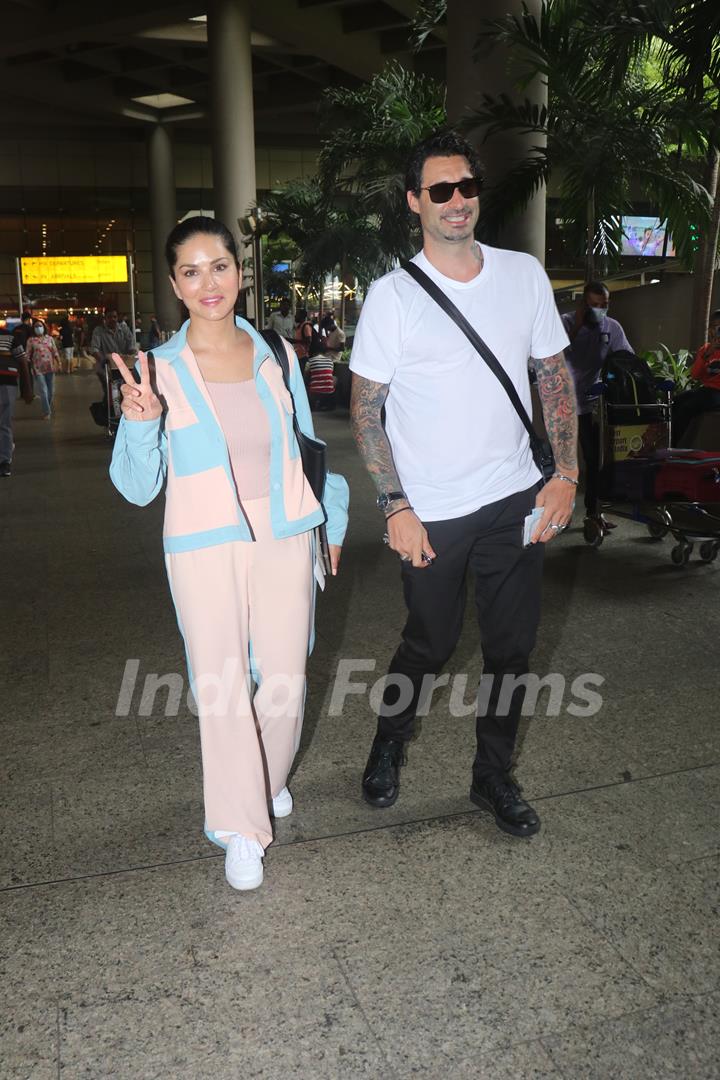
{"points": [[139, 400], [335, 550]]}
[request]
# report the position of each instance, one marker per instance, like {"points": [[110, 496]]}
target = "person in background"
{"points": [[706, 370], [154, 338], [13, 379], [320, 372], [593, 335], [282, 321], [110, 336], [302, 341], [44, 361], [67, 344]]}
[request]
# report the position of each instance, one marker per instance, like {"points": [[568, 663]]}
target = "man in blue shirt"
{"points": [[592, 336]]}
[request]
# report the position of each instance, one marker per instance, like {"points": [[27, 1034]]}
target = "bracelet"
{"points": [[567, 479], [388, 516]]}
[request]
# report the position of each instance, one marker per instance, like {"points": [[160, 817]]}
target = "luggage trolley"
{"points": [[642, 477]]}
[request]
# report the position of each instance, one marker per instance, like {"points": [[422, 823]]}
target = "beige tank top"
{"points": [[246, 428]]}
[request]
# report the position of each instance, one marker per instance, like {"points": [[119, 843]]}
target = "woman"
{"points": [[238, 535], [44, 360], [303, 336]]}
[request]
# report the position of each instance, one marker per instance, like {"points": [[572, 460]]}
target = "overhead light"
{"points": [[163, 101], [655, 281], [198, 18]]}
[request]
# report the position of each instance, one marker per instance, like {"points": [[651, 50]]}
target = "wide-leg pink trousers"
{"points": [[245, 611]]}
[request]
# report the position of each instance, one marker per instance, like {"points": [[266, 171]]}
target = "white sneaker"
{"points": [[282, 804], [243, 862]]}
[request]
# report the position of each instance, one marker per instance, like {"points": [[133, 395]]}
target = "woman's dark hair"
{"points": [[300, 315], [190, 227], [440, 144]]}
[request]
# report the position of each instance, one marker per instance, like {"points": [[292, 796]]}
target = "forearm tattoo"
{"points": [[557, 396], [366, 402]]}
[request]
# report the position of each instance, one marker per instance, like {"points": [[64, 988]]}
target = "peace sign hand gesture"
{"points": [[139, 400]]}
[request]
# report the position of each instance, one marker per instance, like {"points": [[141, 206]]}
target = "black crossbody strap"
{"points": [[475, 340], [273, 339]]}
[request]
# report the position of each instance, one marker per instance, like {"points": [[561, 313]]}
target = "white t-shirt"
{"points": [[457, 442]]}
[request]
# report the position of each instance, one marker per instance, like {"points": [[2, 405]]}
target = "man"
{"points": [[453, 467], [67, 344], [592, 336], [320, 371], [108, 337], [282, 321], [14, 376]]}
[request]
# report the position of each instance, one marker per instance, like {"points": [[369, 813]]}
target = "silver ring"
{"points": [[557, 528], [406, 558], [386, 538]]}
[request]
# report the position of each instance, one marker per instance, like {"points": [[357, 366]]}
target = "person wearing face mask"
{"points": [[44, 360], [593, 335]]}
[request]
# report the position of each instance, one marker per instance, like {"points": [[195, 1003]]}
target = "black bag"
{"points": [[312, 451], [541, 449]]}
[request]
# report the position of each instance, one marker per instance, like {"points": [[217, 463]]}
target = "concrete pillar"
{"points": [[496, 73], [231, 107], [163, 217]]}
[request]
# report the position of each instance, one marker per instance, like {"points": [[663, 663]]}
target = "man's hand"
{"points": [[409, 538], [557, 498]]}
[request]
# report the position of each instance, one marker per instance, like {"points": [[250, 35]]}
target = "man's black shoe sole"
{"points": [[512, 830], [380, 801]]}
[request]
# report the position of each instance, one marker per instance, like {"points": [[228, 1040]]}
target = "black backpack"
{"points": [[629, 381]]}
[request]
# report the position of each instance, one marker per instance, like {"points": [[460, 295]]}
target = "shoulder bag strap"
{"points": [[475, 340]]}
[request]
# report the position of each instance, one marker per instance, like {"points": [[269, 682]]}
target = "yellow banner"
{"points": [[73, 269], [637, 440]]}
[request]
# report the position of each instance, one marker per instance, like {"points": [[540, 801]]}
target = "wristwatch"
{"points": [[387, 497]]}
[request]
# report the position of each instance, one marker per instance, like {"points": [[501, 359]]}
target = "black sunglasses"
{"points": [[444, 191]]}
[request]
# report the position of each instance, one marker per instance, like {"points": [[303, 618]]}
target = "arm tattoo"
{"points": [[557, 395], [366, 403]]}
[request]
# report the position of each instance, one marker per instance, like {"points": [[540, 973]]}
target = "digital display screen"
{"points": [[645, 237]]}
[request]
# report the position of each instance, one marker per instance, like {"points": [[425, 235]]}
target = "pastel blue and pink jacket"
{"points": [[186, 450]]}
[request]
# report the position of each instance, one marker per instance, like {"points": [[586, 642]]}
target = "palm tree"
{"points": [[688, 35], [367, 137], [327, 236], [607, 137]]}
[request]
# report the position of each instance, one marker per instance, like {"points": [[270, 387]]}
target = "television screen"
{"points": [[645, 236], [280, 267]]}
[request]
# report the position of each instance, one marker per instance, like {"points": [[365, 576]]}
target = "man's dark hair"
{"points": [[440, 144], [192, 226], [110, 311], [714, 316], [596, 287], [26, 316]]}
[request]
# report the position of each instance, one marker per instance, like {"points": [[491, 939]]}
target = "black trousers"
{"points": [[690, 404], [588, 439], [507, 598]]}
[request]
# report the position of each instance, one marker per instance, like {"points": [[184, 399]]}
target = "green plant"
{"points": [[368, 134], [665, 364]]}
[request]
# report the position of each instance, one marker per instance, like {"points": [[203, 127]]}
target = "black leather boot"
{"points": [[502, 797], [381, 779]]}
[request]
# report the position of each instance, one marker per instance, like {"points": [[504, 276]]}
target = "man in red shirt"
{"points": [[706, 370]]}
